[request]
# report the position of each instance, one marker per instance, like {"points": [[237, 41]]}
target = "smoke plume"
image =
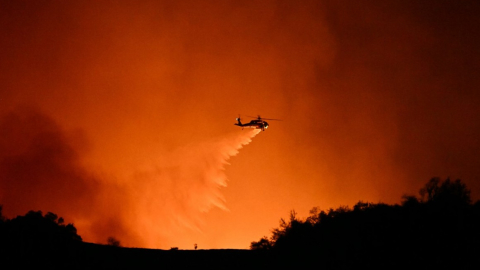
{"points": [[40, 169]]}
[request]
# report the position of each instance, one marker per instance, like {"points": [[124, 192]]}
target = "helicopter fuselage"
{"points": [[258, 124]]}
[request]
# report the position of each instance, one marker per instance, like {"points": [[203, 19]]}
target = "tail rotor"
{"points": [[239, 122]]}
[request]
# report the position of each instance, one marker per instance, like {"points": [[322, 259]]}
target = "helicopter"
{"points": [[258, 123]]}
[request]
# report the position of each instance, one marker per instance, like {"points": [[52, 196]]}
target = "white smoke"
{"points": [[168, 198]]}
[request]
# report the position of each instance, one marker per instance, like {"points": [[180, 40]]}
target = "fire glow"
{"points": [[149, 208]]}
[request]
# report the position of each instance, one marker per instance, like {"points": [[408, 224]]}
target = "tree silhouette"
{"points": [[2, 218], [448, 192], [38, 240], [441, 228]]}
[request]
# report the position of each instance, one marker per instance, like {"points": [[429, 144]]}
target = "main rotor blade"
{"points": [[259, 117], [271, 119]]}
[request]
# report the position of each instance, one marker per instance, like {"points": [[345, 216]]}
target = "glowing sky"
{"points": [[118, 115]]}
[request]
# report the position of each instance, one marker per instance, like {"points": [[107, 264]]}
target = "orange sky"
{"points": [[118, 115]]}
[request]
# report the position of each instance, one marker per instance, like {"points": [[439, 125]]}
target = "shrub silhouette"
{"points": [[262, 244], [112, 241]]}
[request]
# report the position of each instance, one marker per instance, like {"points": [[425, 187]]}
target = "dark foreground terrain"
{"points": [[438, 230], [93, 256], [35, 241]]}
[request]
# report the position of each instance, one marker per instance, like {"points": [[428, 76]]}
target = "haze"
{"points": [[118, 115]]}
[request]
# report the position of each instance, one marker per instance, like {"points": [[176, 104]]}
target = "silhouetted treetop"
{"points": [[447, 192], [2, 218]]}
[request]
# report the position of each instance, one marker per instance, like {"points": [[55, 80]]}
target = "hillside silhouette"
{"points": [[436, 229]]}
